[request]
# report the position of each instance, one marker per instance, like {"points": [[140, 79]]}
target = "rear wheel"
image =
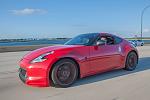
{"points": [[131, 61], [64, 73]]}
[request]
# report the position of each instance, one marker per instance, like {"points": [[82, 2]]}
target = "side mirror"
{"points": [[100, 42]]}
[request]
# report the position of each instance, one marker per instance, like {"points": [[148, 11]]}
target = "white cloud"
{"points": [[146, 30], [28, 11]]}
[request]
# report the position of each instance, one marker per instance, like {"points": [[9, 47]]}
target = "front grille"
{"points": [[22, 74]]}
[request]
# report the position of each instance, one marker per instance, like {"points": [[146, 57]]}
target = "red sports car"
{"points": [[84, 55]]}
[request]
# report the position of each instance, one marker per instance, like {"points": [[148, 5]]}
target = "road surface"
{"points": [[114, 85]]}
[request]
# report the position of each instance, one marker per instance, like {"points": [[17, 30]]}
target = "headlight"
{"points": [[42, 57]]}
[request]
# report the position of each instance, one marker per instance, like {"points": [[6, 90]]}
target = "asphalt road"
{"points": [[114, 85]]}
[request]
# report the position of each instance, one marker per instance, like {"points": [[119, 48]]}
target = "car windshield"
{"points": [[83, 39]]}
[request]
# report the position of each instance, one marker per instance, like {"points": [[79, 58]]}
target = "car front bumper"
{"points": [[34, 74]]}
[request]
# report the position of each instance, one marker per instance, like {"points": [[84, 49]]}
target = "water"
{"points": [[39, 42], [33, 42], [146, 41]]}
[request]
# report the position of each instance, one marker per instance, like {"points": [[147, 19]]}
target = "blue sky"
{"points": [[67, 18]]}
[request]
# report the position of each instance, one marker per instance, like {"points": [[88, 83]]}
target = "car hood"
{"points": [[33, 54]]}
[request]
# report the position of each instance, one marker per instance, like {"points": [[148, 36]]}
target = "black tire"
{"points": [[142, 44], [64, 73], [131, 61]]}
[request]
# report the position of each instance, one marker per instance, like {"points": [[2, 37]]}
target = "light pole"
{"points": [[143, 11]]}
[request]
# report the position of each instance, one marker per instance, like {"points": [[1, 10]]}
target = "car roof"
{"points": [[108, 34], [104, 33]]}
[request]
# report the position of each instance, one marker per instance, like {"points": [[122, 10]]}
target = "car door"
{"points": [[104, 57]]}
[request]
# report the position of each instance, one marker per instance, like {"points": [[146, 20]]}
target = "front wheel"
{"points": [[131, 61], [64, 73]]}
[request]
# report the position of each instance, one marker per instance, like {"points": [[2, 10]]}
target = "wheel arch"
{"points": [[134, 52], [78, 66]]}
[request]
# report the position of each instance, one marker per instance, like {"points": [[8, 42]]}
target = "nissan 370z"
{"points": [[84, 55]]}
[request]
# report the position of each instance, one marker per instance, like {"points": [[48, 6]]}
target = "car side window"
{"points": [[117, 40], [109, 40]]}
